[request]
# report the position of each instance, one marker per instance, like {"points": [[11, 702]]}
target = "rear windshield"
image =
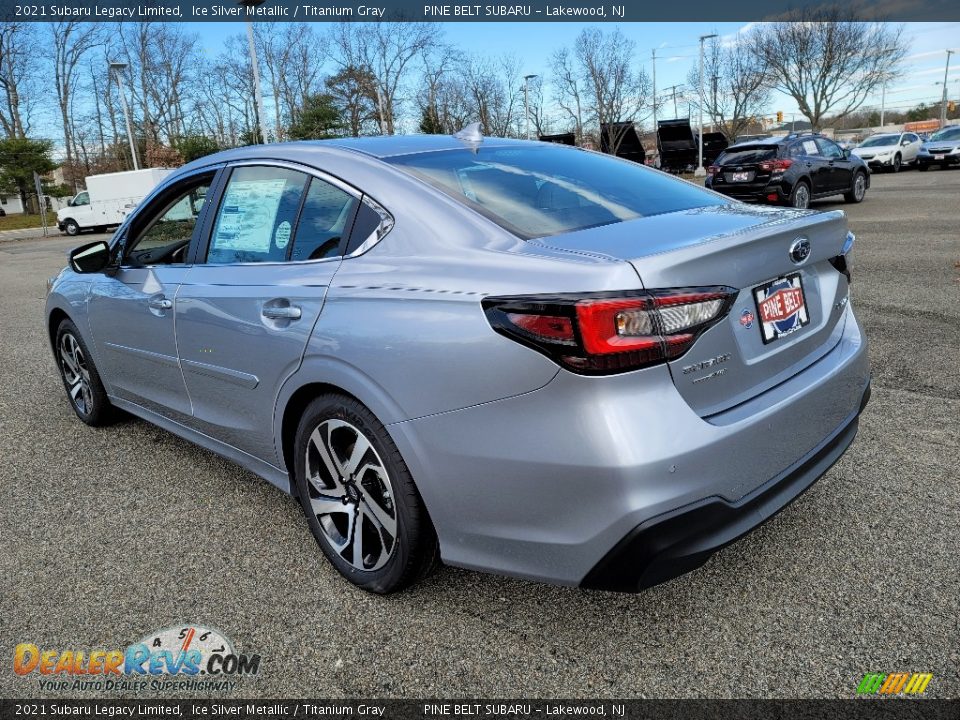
{"points": [[739, 156], [551, 190]]}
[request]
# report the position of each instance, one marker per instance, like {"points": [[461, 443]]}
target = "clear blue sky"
{"points": [[676, 45]]}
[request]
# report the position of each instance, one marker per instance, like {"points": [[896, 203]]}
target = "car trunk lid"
{"points": [[747, 248]]}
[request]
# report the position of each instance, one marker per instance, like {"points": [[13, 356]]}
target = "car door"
{"points": [[247, 309], [82, 211], [840, 169], [131, 307], [808, 154], [910, 145]]}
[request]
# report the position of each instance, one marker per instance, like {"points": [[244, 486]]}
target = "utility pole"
{"points": [[526, 100], [116, 67], [943, 103], [673, 88], [654, 55], [883, 101], [713, 106], [700, 172], [257, 93]]}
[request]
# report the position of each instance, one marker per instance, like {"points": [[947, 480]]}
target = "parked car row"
{"points": [[790, 170]]}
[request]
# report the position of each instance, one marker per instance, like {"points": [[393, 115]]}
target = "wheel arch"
{"points": [[57, 315]]}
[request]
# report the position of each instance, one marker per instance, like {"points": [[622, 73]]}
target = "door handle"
{"points": [[288, 312], [160, 303]]}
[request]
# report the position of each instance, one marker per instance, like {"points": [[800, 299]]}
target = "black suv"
{"points": [[791, 170]]}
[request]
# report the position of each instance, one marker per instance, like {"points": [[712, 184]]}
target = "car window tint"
{"points": [[326, 211], [168, 224], [367, 223], [256, 215], [538, 192], [739, 156], [829, 149]]}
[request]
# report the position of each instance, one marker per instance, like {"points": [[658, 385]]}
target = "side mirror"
{"points": [[70, 202], [846, 153], [90, 258]]}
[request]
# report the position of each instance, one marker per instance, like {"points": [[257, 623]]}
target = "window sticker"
{"points": [[249, 211], [282, 236], [810, 147]]}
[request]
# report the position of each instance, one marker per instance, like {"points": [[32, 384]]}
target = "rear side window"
{"points": [[743, 156], [538, 192], [256, 215], [326, 215]]}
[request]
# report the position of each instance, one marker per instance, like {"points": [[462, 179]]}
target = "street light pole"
{"points": [[257, 92], [116, 67], [943, 103], [654, 54], [700, 172], [526, 100]]}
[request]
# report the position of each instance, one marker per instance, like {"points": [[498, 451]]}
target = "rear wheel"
{"points": [[359, 498], [86, 393], [858, 189], [800, 197]]}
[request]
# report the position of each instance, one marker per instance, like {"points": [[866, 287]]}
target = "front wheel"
{"points": [[897, 163], [800, 197], [858, 189], [86, 393], [923, 167], [359, 498], [71, 227]]}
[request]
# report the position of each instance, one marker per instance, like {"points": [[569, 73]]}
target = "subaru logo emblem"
{"points": [[799, 251]]}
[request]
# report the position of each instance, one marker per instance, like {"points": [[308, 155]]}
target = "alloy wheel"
{"points": [[859, 187], [73, 365], [351, 495], [801, 198]]}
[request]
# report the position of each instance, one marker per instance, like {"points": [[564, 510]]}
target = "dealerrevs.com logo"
{"points": [[188, 657], [898, 683]]}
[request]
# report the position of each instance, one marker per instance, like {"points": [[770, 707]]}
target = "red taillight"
{"points": [[776, 165], [604, 333]]}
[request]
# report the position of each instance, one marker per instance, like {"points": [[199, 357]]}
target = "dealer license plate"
{"points": [[938, 157], [781, 307], [740, 177]]}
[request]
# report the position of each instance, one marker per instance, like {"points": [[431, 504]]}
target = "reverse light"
{"points": [[606, 333]]}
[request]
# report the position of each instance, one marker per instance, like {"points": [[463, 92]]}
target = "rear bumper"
{"points": [[675, 543], [753, 193], [546, 485]]}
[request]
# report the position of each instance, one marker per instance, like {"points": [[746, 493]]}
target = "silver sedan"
{"points": [[512, 356]]}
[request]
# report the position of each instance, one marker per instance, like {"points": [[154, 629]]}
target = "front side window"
{"points": [[162, 232], [538, 192], [829, 149], [257, 214], [82, 199]]}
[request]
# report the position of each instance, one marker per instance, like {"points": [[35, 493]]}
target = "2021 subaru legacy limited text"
{"points": [[517, 357]]}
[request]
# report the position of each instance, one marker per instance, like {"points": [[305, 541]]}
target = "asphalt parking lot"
{"points": [[108, 534]]}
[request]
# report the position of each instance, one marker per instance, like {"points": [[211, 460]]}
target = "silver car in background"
{"points": [[512, 356]]}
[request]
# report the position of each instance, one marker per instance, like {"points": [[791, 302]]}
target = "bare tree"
{"points": [[70, 41], [827, 64], [735, 86], [493, 87], [602, 66], [293, 57], [388, 51], [17, 76], [568, 89]]}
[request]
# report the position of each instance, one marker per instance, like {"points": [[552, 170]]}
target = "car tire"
{"points": [[71, 227], [897, 164], [81, 380], [800, 195], [923, 167], [345, 489], [858, 189]]}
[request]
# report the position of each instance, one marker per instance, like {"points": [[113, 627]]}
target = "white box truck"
{"points": [[108, 199]]}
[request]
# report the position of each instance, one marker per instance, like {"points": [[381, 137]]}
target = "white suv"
{"points": [[889, 151]]}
